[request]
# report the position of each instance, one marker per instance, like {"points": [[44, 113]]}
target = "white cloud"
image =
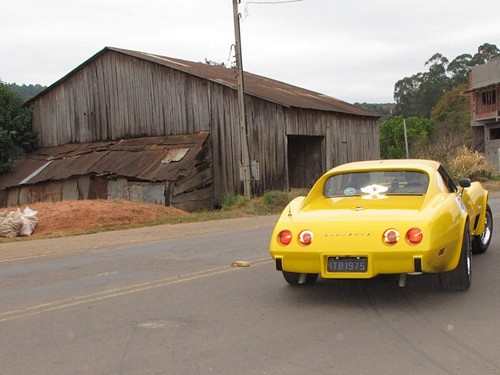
{"points": [[351, 50]]}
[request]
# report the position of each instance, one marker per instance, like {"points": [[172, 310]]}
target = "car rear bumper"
{"points": [[376, 263]]}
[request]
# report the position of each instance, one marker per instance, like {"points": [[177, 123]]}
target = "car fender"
{"points": [[459, 217], [458, 249], [286, 220], [475, 199]]}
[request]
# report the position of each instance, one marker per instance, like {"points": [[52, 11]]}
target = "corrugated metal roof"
{"points": [[255, 85], [138, 158], [262, 87]]}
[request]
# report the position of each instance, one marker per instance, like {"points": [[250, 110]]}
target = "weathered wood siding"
{"points": [[267, 144], [225, 137], [118, 96], [347, 138]]}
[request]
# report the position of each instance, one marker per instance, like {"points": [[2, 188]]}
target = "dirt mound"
{"points": [[72, 217]]}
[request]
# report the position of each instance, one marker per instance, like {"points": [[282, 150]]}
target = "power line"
{"points": [[273, 2], [267, 2]]}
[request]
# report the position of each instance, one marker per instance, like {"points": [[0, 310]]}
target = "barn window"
{"points": [[495, 133], [489, 97]]}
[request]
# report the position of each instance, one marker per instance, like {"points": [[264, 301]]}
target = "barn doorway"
{"points": [[305, 160]]}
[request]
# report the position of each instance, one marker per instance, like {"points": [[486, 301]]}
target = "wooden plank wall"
{"points": [[347, 138], [225, 138], [118, 96]]}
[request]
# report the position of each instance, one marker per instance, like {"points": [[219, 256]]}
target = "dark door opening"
{"points": [[305, 160]]}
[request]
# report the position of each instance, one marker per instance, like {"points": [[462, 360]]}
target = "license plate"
{"points": [[347, 264]]}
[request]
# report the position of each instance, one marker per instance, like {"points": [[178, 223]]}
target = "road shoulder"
{"points": [[26, 248]]}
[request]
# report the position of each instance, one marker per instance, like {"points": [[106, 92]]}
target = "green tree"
{"points": [[453, 132], [452, 115], [459, 68], [392, 138], [6, 144], [405, 94], [16, 135], [415, 96], [383, 109], [27, 91], [485, 53]]}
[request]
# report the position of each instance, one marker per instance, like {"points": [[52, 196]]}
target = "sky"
{"points": [[352, 50]]}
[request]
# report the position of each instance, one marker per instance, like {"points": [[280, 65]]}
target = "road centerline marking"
{"points": [[119, 292]]}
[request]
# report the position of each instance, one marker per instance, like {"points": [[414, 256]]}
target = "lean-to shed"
{"points": [[294, 135], [168, 170]]}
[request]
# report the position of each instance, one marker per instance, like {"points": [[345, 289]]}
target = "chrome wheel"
{"points": [[486, 235], [481, 242]]}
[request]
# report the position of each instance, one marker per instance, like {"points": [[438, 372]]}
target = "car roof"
{"points": [[421, 164]]}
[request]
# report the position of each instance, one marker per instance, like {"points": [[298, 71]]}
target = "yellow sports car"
{"points": [[372, 218]]}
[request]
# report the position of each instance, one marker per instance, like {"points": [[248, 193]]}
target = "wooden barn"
{"points": [[164, 130]]}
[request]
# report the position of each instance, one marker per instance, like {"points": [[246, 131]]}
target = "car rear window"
{"points": [[401, 182]]}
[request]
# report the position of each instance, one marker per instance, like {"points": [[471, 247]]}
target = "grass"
{"points": [[235, 206]]}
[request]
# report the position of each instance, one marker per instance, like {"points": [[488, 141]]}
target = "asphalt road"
{"points": [[166, 300]]}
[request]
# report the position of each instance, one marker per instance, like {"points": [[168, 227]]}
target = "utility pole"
{"points": [[245, 156], [406, 139]]}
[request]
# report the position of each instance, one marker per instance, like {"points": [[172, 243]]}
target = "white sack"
{"points": [[11, 224], [29, 220]]}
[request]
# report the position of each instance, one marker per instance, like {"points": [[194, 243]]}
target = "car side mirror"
{"points": [[465, 182]]}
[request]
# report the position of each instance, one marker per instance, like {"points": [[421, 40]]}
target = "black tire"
{"points": [[294, 278], [481, 243], [459, 279]]}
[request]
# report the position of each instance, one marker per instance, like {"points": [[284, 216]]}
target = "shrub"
{"points": [[231, 200], [460, 161], [16, 135], [392, 139], [276, 198], [470, 164]]}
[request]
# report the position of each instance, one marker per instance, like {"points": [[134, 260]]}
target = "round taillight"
{"points": [[306, 237], [414, 235], [391, 236], [285, 237]]}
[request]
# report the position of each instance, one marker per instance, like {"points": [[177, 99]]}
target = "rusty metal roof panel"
{"points": [[23, 169], [126, 163], [259, 86], [84, 163], [174, 168], [56, 170], [174, 155], [149, 159], [61, 164], [185, 140]]}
